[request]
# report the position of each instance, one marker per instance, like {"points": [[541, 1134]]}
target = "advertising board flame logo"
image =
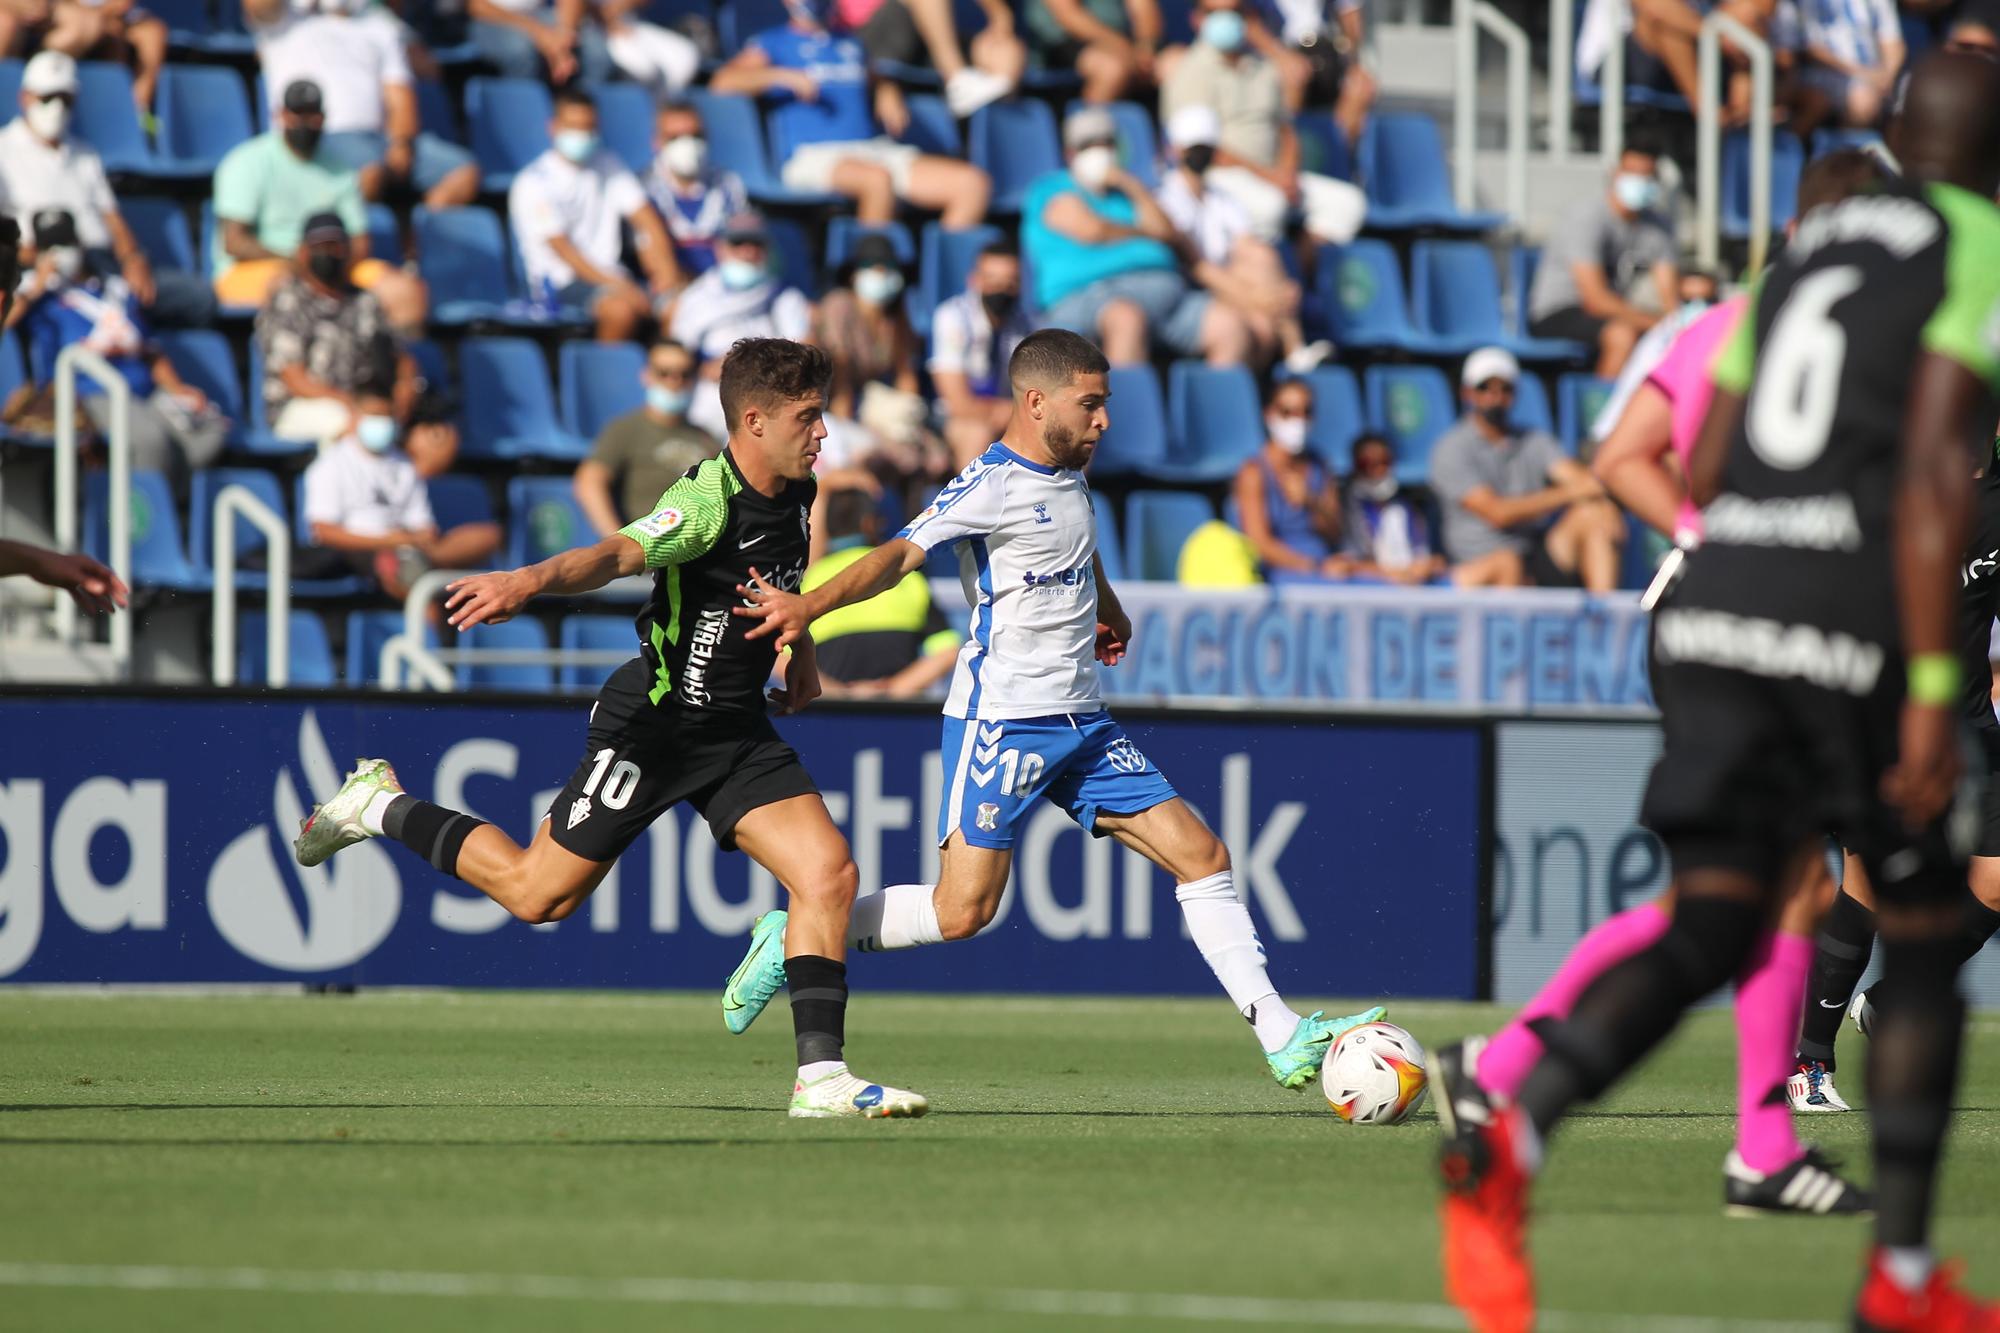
{"points": [[344, 908]]}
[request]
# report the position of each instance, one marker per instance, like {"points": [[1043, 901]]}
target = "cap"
{"points": [[302, 98], [323, 227], [49, 72], [1192, 126], [873, 249], [746, 227], [54, 227], [1489, 363], [1089, 124]]}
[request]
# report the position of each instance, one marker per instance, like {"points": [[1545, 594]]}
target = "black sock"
{"points": [[1913, 1054], [1980, 921], [1632, 1007], [1840, 956], [819, 1006], [431, 831]]}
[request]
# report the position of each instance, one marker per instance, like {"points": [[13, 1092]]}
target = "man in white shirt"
{"points": [[372, 124], [743, 296], [568, 207], [972, 336], [43, 166], [1025, 719]]}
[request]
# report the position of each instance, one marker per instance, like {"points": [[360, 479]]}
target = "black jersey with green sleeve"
{"points": [[703, 538]]}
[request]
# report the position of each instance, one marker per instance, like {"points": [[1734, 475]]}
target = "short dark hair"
{"points": [[571, 95], [1368, 437], [677, 105], [381, 360], [1001, 247], [848, 512], [766, 371], [1053, 358], [666, 344], [1841, 174], [1281, 383], [1644, 139]]}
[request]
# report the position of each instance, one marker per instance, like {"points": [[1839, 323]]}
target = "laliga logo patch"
{"points": [[659, 524], [349, 903]]}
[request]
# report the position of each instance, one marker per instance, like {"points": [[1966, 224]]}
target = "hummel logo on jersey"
{"points": [[579, 811], [1042, 514]]}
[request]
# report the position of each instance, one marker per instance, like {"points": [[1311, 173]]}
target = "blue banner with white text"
{"points": [[148, 839]]}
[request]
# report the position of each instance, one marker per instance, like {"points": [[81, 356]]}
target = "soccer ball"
{"points": [[1374, 1075]]}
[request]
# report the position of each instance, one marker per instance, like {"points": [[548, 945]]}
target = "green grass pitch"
{"points": [[508, 1161]]}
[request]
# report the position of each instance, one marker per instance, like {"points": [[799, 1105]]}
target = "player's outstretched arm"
{"points": [[94, 587], [489, 599], [790, 614]]}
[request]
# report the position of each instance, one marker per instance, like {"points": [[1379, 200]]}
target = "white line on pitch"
{"points": [[843, 1295]]}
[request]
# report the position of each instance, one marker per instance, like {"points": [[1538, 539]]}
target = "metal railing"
{"points": [[1708, 151], [1611, 92], [1473, 17], [1562, 77], [231, 501], [409, 662], [69, 362]]}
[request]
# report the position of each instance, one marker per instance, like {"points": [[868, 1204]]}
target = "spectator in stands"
{"points": [[1105, 260], [44, 166], [1240, 268], [1256, 153], [315, 333], [116, 30], [1661, 40], [370, 122], [1286, 500], [1610, 270], [1320, 62], [524, 40], [1111, 44], [838, 123], [646, 450], [659, 59], [365, 500], [1517, 510], [743, 296], [1974, 28], [925, 32], [973, 337], [62, 303], [265, 190], [568, 207], [1388, 528], [864, 326], [895, 646], [695, 195], [1848, 58]]}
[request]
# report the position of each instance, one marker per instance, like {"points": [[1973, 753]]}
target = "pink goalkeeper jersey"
{"points": [[1683, 375]]}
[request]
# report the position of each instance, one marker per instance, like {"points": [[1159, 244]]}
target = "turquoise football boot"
{"points": [[1297, 1062], [759, 976]]}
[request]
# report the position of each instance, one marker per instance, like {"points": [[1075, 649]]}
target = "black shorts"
{"points": [[640, 760], [891, 34], [1988, 843], [1542, 569], [1572, 323]]}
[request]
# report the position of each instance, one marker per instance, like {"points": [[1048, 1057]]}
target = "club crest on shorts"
{"points": [[989, 816], [579, 811]]}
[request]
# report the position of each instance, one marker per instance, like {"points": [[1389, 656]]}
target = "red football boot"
{"points": [[1938, 1307]]}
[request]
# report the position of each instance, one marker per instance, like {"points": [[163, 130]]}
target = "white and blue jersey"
{"points": [[1026, 717]]}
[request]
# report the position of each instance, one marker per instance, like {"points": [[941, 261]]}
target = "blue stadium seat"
{"points": [[1137, 440], [595, 633], [1138, 141], [1337, 419], [1531, 404], [519, 634], [462, 256], [1412, 406], [1522, 261], [1157, 525], [843, 232], [1214, 421], [457, 499], [10, 89], [736, 137], [203, 112], [190, 27], [367, 631], [1110, 552], [1831, 140], [385, 234], [203, 487], [203, 358], [1361, 297], [598, 382], [159, 558], [161, 229], [797, 256], [1579, 398], [946, 260], [508, 123], [510, 411], [437, 111], [1788, 160], [740, 20], [625, 116], [13, 374], [1323, 148], [1455, 293], [108, 120], [1014, 142], [311, 664], [932, 126], [543, 519], [1403, 169]]}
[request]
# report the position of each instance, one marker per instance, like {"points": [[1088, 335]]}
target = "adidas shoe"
{"points": [[842, 1094], [1810, 1186], [337, 824], [1939, 1307], [1861, 1013], [1811, 1089]]}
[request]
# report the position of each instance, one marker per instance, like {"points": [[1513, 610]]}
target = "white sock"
{"points": [[1528, 1144], [820, 1069], [1223, 931], [1909, 1266], [371, 818], [902, 916]]}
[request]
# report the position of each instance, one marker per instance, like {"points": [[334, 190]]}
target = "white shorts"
{"points": [[660, 58], [810, 167]]}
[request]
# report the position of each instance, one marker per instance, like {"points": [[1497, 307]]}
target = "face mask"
{"points": [[579, 146], [1635, 193], [1377, 489], [328, 267], [1497, 415], [684, 157], [740, 275], [49, 120], [1288, 432], [1093, 166], [878, 286], [1199, 158], [1000, 306], [302, 139], [1223, 30], [68, 261], [668, 402], [1695, 305], [376, 433]]}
